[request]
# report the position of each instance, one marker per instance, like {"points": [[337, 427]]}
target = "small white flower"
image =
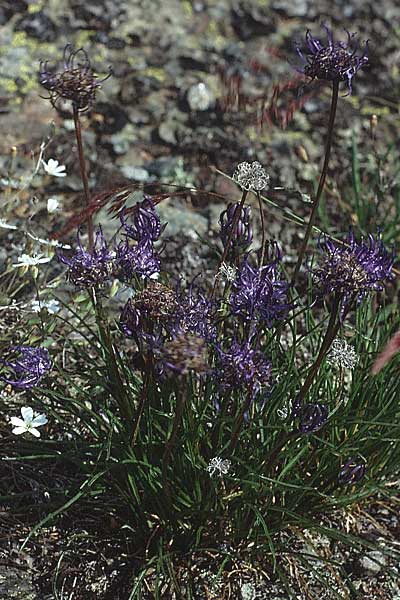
{"points": [[31, 261], [342, 355], [218, 466], [227, 272], [251, 176], [53, 167], [52, 306], [283, 412], [53, 205], [29, 422], [5, 225]]}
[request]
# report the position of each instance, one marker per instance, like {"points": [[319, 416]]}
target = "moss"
{"points": [[36, 7], [8, 85], [379, 111], [155, 72], [187, 8]]}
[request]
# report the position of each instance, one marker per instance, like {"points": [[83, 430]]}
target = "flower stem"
{"points": [[330, 334], [239, 423], [328, 146], [262, 228], [169, 446], [82, 165]]}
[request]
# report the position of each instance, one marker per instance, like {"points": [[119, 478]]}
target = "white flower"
{"points": [[227, 272], [342, 355], [251, 176], [53, 205], [5, 225], [53, 167], [29, 422], [283, 412], [218, 466], [52, 306], [31, 261]]}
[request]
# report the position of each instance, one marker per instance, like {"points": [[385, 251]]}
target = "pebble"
{"points": [[373, 562], [200, 97]]}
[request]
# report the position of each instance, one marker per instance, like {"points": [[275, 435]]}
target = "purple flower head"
{"points": [[186, 352], [259, 292], [151, 310], [140, 260], [242, 234], [242, 367], [89, 269], [312, 417], [195, 314], [76, 81], [353, 270], [352, 471], [146, 224], [333, 60], [28, 367]]}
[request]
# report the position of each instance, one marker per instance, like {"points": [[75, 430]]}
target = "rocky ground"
{"points": [[190, 82]]}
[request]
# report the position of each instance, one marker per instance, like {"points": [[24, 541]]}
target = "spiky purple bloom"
{"points": [[312, 417], [28, 367], [89, 269], [141, 260], [354, 270], [242, 235], [260, 293], [334, 60], [146, 224], [242, 367], [352, 471], [75, 82], [195, 313]]}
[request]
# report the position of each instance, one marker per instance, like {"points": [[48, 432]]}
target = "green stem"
{"points": [[84, 177], [169, 446], [328, 146], [239, 423], [260, 205], [330, 334]]}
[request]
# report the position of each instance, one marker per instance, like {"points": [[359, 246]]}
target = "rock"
{"points": [[136, 173], [373, 562], [247, 591], [38, 25], [10, 7], [200, 97]]}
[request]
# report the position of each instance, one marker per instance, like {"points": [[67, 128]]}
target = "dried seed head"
{"points": [[342, 355], [155, 304], [76, 82], [251, 176], [158, 301], [186, 352]]}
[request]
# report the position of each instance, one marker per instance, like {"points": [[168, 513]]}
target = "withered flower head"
{"points": [[155, 304], [186, 352], [76, 81]]}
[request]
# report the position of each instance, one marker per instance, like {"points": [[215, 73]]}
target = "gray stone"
{"points": [[373, 562], [200, 97]]}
